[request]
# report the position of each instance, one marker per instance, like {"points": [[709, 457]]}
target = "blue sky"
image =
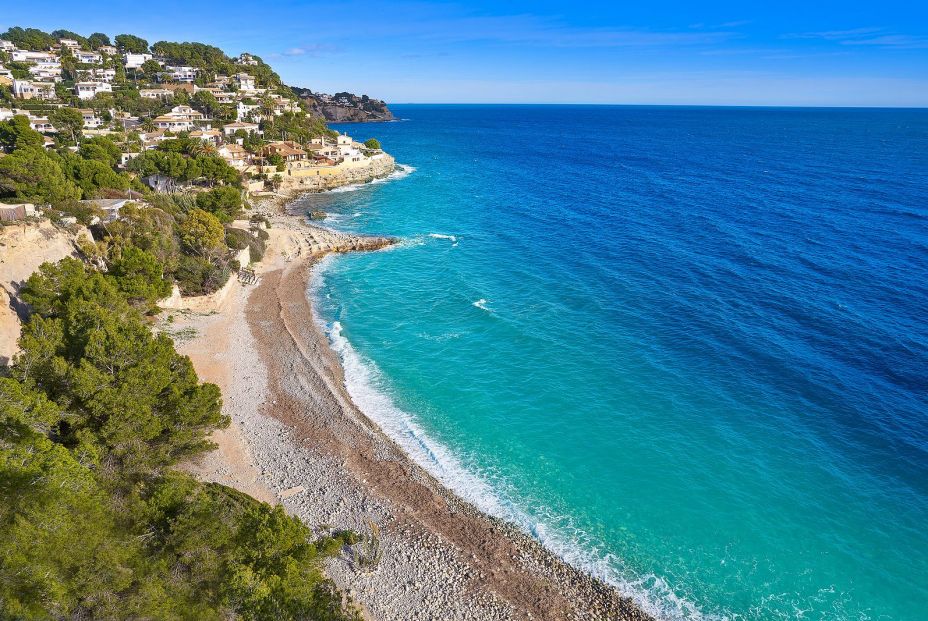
{"points": [[786, 53]]}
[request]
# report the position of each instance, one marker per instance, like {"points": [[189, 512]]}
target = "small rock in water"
{"points": [[318, 215]]}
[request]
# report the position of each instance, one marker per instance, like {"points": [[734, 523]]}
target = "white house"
{"points": [[155, 93], [179, 119], [46, 72], [88, 58], [248, 128], [212, 136], [103, 75], [282, 105], [25, 89], [247, 59], [186, 113], [125, 158], [222, 96], [182, 74], [234, 155], [134, 61], [5, 114], [70, 44], [245, 81], [7, 46], [41, 125], [171, 124], [27, 56], [89, 90], [91, 120], [243, 110], [109, 50]]}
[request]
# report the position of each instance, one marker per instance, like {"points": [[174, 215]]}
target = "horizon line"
{"points": [[657, 105]]}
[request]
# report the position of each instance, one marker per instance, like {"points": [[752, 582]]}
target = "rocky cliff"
{"points": [[344, 107], [376, 168], [23, 248]]}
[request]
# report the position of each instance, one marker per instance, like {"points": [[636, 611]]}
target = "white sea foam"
{"points": [[346, 188], [482, 305], [401, 172], [365, 385], [453, 239], [490, 493]]}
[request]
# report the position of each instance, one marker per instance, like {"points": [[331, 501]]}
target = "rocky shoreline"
{"points": [[298, 438]]}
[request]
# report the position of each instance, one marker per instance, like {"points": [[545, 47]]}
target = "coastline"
{"points": [[298, 438]]}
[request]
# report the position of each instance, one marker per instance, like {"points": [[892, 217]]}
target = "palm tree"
{"points": [[267, 109]]}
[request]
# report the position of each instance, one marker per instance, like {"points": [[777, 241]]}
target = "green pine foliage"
{"points": [[94, 522]]}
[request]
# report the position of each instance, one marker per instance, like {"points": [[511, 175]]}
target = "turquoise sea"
{"points": [[685, 348]]}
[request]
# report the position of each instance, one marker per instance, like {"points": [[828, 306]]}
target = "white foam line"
{"points": [[401, 172], [367, 387]]}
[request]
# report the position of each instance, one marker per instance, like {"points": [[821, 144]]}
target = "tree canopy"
{"points": [[131, 43], [94, 523]]}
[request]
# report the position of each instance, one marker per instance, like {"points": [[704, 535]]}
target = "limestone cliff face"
{"points": [[23, 248], [315, 180]]}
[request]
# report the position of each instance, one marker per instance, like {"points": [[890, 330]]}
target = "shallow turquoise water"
{"points": [[685, 348]]}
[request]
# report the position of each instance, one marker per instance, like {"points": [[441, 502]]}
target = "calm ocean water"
{"points": [[685, 348]]}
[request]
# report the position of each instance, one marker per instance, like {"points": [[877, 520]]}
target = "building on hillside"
{"points": [[221, 95], [110, 206], [245, 81], [125, 158], [182, 74], [322, 151], [5, 114], [134, 61], [187, 113], [173, 124], [26, 89], [103, 75], [160, 183], [247, 59], [245, 111], [212, 136], [150, 140], [88, 58], [42, 125], [6, 77], [91, 120], [248, 128], [46, 72], [7, 46], [283, 105], [89, 90], [28, 56], [180, 119], [234, 155], [109, 50], [155, 93], [290, 151], [70, 44]]}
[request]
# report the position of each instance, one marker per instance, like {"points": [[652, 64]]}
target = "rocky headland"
{"points": [[345, 107]]}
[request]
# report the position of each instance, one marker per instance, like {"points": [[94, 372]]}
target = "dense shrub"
{"points": [[199, 276]]}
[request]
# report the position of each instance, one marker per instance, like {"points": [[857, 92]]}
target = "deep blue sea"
{"points": [[685, 348]]}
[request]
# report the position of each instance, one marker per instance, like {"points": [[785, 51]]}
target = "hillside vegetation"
{"points": [[96, 410]]}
